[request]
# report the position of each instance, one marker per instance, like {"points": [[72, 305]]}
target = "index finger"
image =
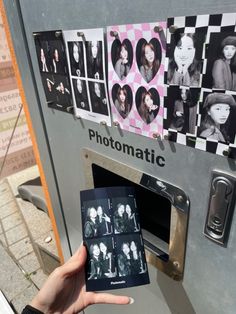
{"points": [[108, 298]]}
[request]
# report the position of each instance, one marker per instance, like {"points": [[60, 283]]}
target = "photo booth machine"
{"points": [[186, 196]]}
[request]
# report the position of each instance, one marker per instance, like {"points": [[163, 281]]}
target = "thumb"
{"points": [[75, 263]]}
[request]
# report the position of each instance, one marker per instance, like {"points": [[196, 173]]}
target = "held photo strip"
{"points": [[113, 239]]}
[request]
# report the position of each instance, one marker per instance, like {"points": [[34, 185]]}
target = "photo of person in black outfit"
{"points": [[95, 265], [94, 59], [124, 260], [137, 263], [101, 259], [131, 259], [63, 94], [81, 96], [107, 260], [120, 219], [76, 58], [91, 227], [131, 224], [58, 57], [98, 98], [103, 222]]}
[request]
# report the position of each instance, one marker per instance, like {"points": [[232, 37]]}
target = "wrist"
{"points": [[29, 309], [35, 303]]}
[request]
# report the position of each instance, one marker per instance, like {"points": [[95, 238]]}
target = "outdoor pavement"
{"points": [[21, 224]]}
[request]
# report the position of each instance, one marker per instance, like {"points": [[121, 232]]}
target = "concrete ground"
{"points": [[21, 225]]}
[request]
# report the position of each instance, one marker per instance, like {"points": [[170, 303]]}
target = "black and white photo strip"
{"points": [[112, 235], [53, 68], [86, 59], [207, 61]]}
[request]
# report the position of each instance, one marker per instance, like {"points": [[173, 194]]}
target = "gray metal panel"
{"points": [[209, 284]]}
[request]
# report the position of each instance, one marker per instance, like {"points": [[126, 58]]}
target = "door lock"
{"points": [[221, 206]]}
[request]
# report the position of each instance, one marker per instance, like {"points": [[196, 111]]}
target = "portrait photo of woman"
{"points": [[124, 260], [103, 222], [181, 104], [76, 55], [94, 262], [43, 54], [81, 96], [58, 58], [98, 98], [131, 257], [147, 103], [224, 67], [131, 222], [63, 92], [148, 56], [107, 259], [216, 124], [94, 55], [122, 57], [119, 218], [184, 68], [49, 88], [137, 264], [122, 99], [90, 225]]}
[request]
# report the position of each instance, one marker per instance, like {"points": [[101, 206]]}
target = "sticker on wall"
{"points": [[136, 59], [53, 68], [86, 59]]}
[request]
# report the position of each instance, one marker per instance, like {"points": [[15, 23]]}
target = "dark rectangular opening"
{"points": [[154, 210]]}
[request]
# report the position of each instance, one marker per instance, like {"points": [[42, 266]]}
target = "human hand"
{"points": [[65, 292], [78, 72], [96, 76], [108, 219]]}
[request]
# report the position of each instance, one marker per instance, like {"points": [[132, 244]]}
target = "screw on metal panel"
{"points": [[180, 198], [81, 34], [116, 123], [58, 33], [156, 135], [176, 264], [114, 34], [173, 28], [86, 156], [103, 123], [158, 29], [226, 152], [69, 109]]}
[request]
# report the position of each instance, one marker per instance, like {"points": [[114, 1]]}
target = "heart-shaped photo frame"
{"points": [[147, 103], [148, 57], [122, 57], [122, 99]]}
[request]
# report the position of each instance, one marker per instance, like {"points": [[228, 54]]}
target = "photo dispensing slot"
{"points": [[163, 209]]}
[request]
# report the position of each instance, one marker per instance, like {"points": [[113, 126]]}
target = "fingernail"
{"points": [[131, 300], [81, 244]]}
